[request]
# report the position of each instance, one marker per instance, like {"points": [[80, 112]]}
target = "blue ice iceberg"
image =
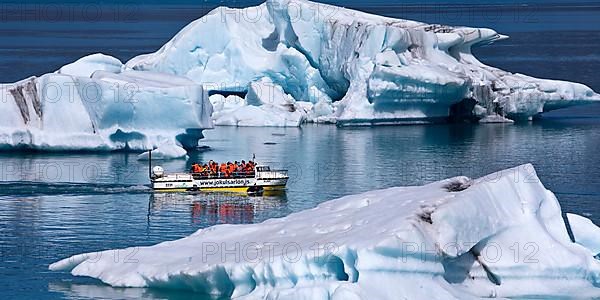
{"points": [[364, 68], [92, 104], [502, 235]]}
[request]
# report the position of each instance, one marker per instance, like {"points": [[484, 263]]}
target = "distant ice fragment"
{"points": [[165, 151]]}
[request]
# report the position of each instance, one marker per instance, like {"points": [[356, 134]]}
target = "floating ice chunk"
{"points": [[586, 233], [257, 116], [491, 119], [165, 151], [131, 110], [498, 236]]}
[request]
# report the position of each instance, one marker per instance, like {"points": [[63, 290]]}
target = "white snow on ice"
{"points": [[585, 232], [165, 151], [498, 236], [92, 105], [265, 104], [360, 68]]}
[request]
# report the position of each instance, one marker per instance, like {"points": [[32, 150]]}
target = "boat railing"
{"points": [[219, 175], [173, 177], [273, 174]]}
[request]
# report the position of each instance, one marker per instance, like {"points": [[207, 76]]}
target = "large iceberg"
{"points": [[92, 104], [502, 235], [354, 67], [281, 63]]}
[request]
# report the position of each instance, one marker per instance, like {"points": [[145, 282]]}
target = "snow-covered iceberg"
{"points": [[92, 104], [295, 61], [356, 68], [585, 232], [498, 236]]}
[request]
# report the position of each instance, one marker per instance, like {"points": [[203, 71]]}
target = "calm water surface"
{"points": [[56, 205], [103, 201]]}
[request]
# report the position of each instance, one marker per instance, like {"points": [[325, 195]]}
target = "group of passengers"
{"points": [[225, 170]]}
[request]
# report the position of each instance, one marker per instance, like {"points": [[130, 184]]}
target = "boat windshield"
{"points": [[263, 169]]}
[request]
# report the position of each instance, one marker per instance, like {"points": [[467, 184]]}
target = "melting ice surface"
{"points": [[502, 235]]}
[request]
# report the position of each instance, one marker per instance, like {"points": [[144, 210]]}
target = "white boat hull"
{"points": [[187, 182]]}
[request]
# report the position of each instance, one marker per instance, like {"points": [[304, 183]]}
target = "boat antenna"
{"points": [[150, 163], [254, 157]]}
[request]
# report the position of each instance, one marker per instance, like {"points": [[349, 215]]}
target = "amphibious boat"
{"points": [[263, 178]]}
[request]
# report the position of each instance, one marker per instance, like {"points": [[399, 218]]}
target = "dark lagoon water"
{"points": [[103, 202], [53, 205]]}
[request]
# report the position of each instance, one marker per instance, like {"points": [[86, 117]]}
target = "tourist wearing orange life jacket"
{"points": [[223, 169], [196, 168], [228, 169]]}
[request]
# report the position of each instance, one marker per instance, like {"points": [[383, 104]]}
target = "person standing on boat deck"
{"points": [[223, 169], [211, 169], [249, 168], [227, 168]]}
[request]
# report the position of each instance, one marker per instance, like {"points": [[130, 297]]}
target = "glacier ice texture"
{"points": [[502, 235], [356, 68], [92, 104]]}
